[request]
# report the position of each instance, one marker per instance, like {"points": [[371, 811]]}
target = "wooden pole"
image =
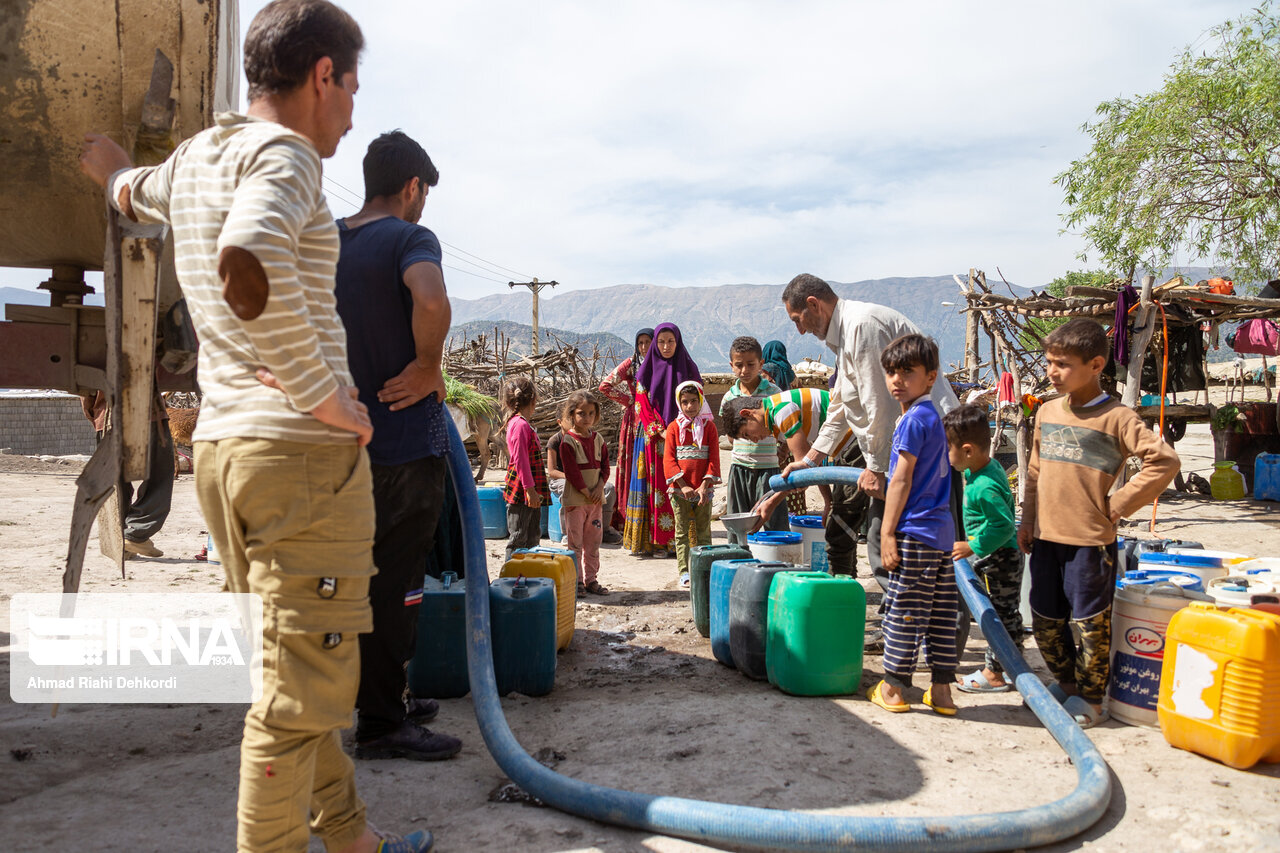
{"points": [[1024, 428], [1144, 327], [972, 359]]}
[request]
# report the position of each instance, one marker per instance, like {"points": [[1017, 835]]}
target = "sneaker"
{"points": [[142, 549], [410, 741], [684, 580], [414, 842], [419, 710], [611, 537], [874, 641]]}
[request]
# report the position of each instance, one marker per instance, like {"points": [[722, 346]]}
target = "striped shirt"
{"points": [[747, 453], [253, 184], [800, 410]]}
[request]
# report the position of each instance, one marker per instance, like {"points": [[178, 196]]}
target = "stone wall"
{"points": [[44, 424]]}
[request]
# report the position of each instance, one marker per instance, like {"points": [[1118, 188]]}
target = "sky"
{"points": [[712, 142]]}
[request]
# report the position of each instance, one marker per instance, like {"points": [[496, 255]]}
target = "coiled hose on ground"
{"points": [[772, 829]]}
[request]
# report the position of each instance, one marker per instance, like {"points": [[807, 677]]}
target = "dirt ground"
{"points": [[639, 704]]}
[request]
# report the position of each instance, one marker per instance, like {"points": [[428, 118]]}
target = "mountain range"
{"points": [[711, 317]]}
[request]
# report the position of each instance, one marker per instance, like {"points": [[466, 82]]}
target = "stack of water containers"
{"points": [[1188, 604], [523, 618], [1164, 575], [1219, 679], [803, 631], [555, 564]]}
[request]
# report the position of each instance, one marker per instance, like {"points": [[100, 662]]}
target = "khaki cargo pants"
{"points": [[294, 523]]}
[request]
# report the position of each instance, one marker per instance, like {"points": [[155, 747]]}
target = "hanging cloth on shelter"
{"points": [[1186, 355], [1256, 337], [1004, 389], [1126, 298]]}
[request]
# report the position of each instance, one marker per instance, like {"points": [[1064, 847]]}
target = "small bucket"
{"points": [[813, 541], [775, 546]]}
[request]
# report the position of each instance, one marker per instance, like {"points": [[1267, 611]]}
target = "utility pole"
{"points": [[534, 286]]}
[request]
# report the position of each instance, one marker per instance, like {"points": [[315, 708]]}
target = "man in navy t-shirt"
{"points": [[392, 300]]}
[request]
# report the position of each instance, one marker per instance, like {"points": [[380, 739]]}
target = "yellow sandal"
{"points": [[928, 700], [877, 699]]}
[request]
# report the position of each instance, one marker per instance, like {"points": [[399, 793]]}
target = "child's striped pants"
{"points": [[920, 612]]}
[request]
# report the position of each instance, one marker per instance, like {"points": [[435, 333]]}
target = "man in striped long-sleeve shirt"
{"points": [[281, 471]]}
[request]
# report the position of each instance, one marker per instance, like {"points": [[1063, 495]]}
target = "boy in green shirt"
{"points": [[991, 536]]}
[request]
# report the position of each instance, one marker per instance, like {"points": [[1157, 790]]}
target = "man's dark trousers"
{"points": [[407, 500]]}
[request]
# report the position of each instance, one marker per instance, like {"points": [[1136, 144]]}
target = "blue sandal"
{"points": [[1082, 712], [976, 682]]}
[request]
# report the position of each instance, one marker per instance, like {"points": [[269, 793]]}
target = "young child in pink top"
{"points": [[584, 458], [525, 488]]}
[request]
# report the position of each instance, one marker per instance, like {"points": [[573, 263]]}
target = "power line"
{"points": [[476, 274], [351, 193], [462, 260], [490, 263], [497, 268]]}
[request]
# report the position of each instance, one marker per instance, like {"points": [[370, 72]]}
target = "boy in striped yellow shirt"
{"points": [[795, 417]]}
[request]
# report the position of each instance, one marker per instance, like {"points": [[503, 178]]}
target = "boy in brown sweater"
{"points": [[1082, 440]]}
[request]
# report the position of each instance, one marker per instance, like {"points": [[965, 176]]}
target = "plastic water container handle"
{"points": [[448, 578]]}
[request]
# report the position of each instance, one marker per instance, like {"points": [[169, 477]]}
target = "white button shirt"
{"points": [[861, 401]]}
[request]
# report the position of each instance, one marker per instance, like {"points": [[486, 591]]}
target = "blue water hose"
{"points": [[772, 829]]}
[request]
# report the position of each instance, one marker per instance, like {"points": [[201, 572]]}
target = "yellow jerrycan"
{"points": [[1220, 684], [560, 569]]}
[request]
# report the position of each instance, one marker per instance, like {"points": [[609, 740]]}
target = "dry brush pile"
{"points": [[485, 361]]}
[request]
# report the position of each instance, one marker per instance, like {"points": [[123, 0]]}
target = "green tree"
{"points": [[1038, 327], [1193, 167]]}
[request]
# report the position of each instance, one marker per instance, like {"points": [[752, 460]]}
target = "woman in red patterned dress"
{"points": [[620, 387], [650, 522]]}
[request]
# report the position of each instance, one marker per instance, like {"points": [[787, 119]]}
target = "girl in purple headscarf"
{"points": [[650, 524]]}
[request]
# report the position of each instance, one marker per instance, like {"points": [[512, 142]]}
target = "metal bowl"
{"points": [[741, 522]]}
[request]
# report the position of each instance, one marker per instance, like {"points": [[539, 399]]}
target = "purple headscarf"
{"points": [[659, 376]]}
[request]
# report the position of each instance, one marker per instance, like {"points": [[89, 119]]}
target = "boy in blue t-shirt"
{"points": [[917, 535]]}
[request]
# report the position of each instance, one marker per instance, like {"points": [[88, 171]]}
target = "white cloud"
{"points": [[683, 142]]}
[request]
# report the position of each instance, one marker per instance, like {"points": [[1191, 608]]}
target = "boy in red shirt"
{"points": [[692, 466]]}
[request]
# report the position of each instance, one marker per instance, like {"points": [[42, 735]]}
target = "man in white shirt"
{"points": [[857, 332]]}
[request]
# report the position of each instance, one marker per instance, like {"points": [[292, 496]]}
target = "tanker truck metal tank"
{"points": [[148, 74]]}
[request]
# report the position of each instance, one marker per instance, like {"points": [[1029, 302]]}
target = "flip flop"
{"points": [[1082, 712], [976, 682], [1056, 691], [876, 699], [937, 709]]}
